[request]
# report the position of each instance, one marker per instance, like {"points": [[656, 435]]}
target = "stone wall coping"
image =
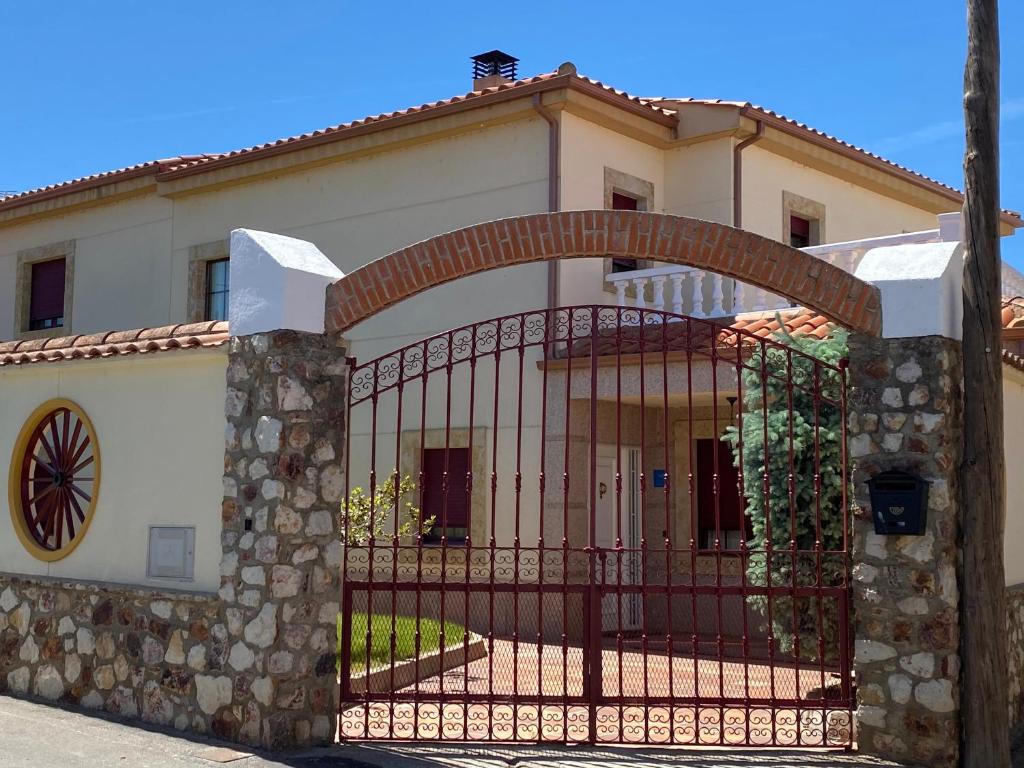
{"points": [[277, 283], [81, 585], [921, 285]]}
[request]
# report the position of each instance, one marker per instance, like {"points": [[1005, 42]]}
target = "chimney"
{"points": [[493, 68]]}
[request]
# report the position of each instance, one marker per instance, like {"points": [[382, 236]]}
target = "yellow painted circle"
{"points": [[48, 480]]}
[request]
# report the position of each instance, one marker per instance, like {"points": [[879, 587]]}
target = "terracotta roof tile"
{"points": [[115, 343], [385, 116], [798, 322], [171, 167], [96, 179], [803, 127], [681, 336]]}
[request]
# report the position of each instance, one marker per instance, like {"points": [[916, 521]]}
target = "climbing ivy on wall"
{"points": [[780, 403]]}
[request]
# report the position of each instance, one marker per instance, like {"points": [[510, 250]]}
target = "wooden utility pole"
{"points": [[984, 705]]}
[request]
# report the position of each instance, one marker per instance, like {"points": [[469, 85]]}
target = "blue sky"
{"points": [[92, 86]]}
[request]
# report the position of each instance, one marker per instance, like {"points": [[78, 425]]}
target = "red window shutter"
{"points": [[456, 514], [624, 202], [730, 503], [47, 289], [800, 226]]}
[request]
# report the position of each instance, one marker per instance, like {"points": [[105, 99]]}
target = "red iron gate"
{"points": [[597, 524]]}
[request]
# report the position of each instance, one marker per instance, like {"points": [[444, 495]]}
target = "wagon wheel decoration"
{"points": [[54, 479]]}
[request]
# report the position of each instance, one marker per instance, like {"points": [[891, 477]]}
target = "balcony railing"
{"points": [[701, 293], [691, 291]]}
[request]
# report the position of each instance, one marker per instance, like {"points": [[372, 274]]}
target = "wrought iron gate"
{"points": [[597, 524]]}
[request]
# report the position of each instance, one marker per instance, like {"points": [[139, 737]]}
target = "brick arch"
{"points": [[754, 259]]}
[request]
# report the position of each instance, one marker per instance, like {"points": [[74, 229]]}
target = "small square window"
{"points": [[217, 289], [799, 231], [46, 301]]}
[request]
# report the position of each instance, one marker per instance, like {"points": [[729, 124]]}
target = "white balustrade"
{"points": [[728, 297], [681, 290]]}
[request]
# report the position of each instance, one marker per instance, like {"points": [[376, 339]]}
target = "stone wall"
{"points": [[1015, 656], [133, 652], [256, 662], [904, 413]]}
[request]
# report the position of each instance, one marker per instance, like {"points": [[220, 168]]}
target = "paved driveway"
{"points": [[556, 674], [37, 736]]}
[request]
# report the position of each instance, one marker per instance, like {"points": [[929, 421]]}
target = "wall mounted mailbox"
{"points": [[899, 501]]}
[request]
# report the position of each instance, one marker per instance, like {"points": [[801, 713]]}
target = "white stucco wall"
{"points": [[122, 264], [698, 180], [362, 209], [587, 149], [851, 211], [1013, 426], [159, 421]]}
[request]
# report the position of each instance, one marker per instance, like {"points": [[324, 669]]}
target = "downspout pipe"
{"points": [[554, 187], [737, 172]]}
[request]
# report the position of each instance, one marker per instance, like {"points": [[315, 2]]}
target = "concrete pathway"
{"points": [[37, 736]]}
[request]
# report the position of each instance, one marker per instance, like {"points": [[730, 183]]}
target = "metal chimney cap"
{"points": [[494, 63]]}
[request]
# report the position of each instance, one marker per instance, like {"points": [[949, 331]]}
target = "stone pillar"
{"points": [[905, 412], [281, 539]]}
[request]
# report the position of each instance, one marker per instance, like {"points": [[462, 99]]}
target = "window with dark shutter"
{"points": [[799, 231], [46, 303], [450, 510], [731, 519], [217, 285], [624, 203]]}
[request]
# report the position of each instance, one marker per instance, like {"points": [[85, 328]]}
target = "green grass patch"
{"points": [[404, 628]]}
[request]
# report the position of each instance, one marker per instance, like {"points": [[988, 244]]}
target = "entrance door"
{"points": [[618, 516]]}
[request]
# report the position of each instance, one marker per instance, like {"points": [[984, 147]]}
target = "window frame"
{"points": [[804, 208], [209, 293], [454, 437], [27, 258], [199, 256], [626, 185]]}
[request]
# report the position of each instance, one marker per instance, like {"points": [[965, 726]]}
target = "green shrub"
{"points": [[804, 422], [356, 511]]}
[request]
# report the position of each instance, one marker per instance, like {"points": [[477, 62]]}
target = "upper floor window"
{"points": [[217, 285], [46, 295], [621, 202], [799, 231], [803, 221]]}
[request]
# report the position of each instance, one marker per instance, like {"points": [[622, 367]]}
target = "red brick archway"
{"points": [[756, 260]]}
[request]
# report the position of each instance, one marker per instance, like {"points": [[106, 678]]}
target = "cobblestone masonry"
{"points": [[255, 663], [905, 413], [1015, 656]]}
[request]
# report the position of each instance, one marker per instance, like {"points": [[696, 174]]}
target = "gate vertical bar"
{"points": [[594, 593]]}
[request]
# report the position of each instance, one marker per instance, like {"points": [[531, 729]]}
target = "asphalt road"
{"points": [[37, 736]]}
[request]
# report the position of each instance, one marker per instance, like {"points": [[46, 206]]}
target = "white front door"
{"points": [[618, 516]]}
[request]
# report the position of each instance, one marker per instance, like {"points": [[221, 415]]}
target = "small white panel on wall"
{"points": [[171, 552]]}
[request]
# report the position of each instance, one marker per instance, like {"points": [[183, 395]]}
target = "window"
{"points": [[803, 221], [217, 285], [799, 231], [622, 202], [450, 510], [731, 518], [46, 300]]}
